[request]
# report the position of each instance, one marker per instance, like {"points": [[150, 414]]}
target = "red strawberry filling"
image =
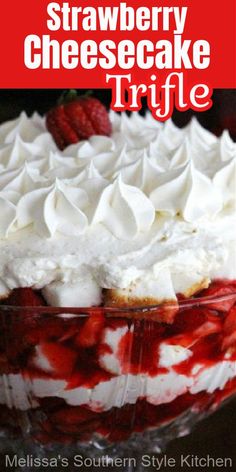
{"points": [[77, 119], [71, 357]]}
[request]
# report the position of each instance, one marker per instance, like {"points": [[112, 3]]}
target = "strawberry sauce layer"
{"points": [[83, 374]]}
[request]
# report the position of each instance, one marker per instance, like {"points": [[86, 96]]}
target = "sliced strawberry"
{"points": [[71, 329], [229, 341], [187, 320], [218, 289]]}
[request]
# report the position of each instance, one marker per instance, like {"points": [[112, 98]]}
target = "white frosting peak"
{"points": [[21, 180], [188, 172], [227, 147], [27, 128], [188, 192], [143, 174], [225, 180]]}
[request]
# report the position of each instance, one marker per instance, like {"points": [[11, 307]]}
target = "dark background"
{"points": [[215, 435], [221, 115]]}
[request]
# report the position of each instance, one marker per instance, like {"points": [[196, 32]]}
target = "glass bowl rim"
{"points": [[177, 305]]}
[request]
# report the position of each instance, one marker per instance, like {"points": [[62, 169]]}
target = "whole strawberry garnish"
{"points": [[24, 297], [76, 118]]}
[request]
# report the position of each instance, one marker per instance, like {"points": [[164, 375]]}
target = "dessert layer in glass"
{"points": [[74, 374]]}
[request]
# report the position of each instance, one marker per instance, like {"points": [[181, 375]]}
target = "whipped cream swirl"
{"points": [[144, 170]]}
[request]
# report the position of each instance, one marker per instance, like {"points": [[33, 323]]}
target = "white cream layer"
{"points": [[149, 211]]}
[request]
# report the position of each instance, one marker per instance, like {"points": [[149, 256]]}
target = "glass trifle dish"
{"points": [[117, 281]]}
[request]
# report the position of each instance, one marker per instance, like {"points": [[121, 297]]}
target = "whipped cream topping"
{"points": [[53, 208], [150, 202]]}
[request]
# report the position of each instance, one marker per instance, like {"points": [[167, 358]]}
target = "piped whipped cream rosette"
{"points": [[131, 223], [151, 202]]}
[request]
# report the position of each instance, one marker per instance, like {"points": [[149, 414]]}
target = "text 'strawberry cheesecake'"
{"points": [[141, 218]]}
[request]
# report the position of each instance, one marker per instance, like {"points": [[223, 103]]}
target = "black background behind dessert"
{"points": [[215, 436], [221, 115]]}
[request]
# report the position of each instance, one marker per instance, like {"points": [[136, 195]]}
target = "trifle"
{"points": [[117, 279]]}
